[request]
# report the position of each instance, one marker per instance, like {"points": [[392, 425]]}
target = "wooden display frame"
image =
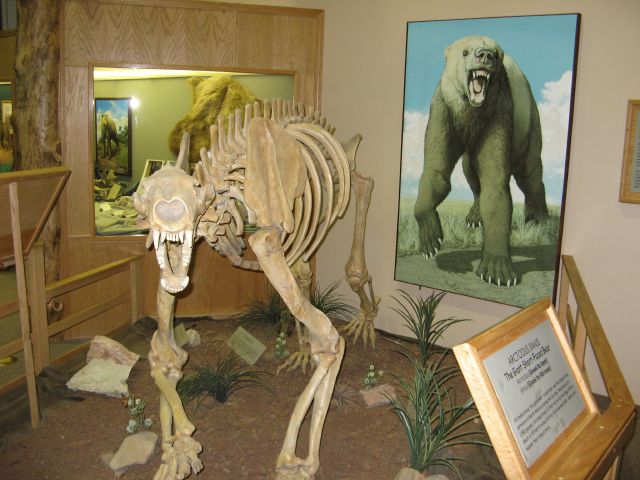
{"points": [[473, 357], [631, 150]]}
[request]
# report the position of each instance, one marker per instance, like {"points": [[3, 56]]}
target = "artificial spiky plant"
{"points": [[273, 312], [431, 420], [270, 312], [419, 316], [331, 303], [219, 381]]}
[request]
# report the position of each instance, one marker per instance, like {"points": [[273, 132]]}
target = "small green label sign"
{"points": [[248, 347], [180, 335]]}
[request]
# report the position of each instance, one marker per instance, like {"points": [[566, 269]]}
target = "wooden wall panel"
{"points": [[285, 43], [209, 38], [166, 33], [76, 144], [149, 35]]}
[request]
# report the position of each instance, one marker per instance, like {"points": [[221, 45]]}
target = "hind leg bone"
{"points": [[327, 349]]}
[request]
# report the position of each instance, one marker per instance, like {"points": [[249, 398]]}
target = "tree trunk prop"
{"points": [[35, 110]]}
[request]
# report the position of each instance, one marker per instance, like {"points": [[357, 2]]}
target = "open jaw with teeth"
{"points": [[173, 274], [172, 202], [478, 83]]}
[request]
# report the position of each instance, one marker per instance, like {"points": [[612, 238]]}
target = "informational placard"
{"points": [[248, 347], [180, 335], [528, 389], [536, 389]]}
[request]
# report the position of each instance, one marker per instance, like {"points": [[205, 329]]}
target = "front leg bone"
{"points": [[180, 450], [356, 267]]}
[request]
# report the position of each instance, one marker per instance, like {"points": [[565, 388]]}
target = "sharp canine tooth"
{"points": [[163, 237], [181, 236], [156, 238]]}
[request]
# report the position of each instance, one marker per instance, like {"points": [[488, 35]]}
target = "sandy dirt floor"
{"points": [[241, 438]]}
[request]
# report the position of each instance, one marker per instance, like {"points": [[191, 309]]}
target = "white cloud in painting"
{"points": [[554, 111], [412, 151]]}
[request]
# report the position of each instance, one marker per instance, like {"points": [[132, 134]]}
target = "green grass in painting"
{"points": [[457, 235]]}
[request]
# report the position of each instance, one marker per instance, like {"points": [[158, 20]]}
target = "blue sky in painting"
{"points": [[543, 47]]}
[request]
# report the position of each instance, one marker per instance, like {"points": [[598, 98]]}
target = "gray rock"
{"points": [[106, 348], [105, 377], [378, 395], [193, 338], [409, 474], [134, 450]]}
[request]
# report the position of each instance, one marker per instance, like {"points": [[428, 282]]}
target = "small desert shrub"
{"points": [[371, 377], [220, 381], [280, 350], [419, 315], [431, 420], [137, 419]]}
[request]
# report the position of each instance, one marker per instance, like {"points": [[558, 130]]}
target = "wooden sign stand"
{"points": [[30, 195], [535, 402]]}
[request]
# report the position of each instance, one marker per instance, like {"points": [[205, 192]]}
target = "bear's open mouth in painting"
{"points": [[478, 84]]}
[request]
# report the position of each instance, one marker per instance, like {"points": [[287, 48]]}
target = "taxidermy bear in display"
{"points": [[212, 97], [483, 110]]}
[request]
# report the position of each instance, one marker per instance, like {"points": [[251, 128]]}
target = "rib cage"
{"points": [[324, 199]]}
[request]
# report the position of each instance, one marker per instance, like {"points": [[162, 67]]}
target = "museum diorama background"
{"points": [[362, 89], [165, 101]]}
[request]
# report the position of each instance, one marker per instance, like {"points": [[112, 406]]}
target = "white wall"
{"points": [[363, 75]]}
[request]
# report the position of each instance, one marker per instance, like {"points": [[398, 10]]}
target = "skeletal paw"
{"points": [[497, 271], [295, 360], [361, 325], [179, 459]]}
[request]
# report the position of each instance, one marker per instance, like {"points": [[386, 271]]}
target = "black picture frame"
{"points": [[113, 135], [454, 261]]}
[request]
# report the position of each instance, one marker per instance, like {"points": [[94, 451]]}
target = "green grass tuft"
{"points": [[219, 381]]}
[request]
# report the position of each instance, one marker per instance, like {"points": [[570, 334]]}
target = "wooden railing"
{"points": [[601, 443], [40, 294]]}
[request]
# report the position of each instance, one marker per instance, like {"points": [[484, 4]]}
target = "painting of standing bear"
{"points": [[499, 238]]}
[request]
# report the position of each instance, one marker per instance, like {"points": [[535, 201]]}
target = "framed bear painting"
{"points": [[113, 135], [485, 145]]}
